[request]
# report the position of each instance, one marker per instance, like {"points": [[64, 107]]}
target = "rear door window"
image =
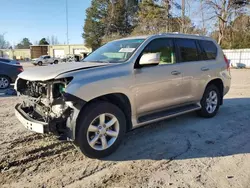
{"points": [[210, 50], [187, 50]]}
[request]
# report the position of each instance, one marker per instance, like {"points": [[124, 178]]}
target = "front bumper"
{"points": [[29, 123]]}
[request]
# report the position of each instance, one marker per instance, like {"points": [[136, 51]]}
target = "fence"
{"points": [[239, 58]]}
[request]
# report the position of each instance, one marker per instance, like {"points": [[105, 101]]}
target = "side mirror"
{"points": [[150, 59]]}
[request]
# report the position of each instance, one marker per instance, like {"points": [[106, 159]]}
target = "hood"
{"points": [[35, 59], [52, 71]]}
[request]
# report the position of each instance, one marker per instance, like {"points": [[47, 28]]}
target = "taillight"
{"points": [[227, 62], [20, 69]]}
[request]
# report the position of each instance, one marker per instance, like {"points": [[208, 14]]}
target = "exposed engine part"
{"points": [[45, 100]]}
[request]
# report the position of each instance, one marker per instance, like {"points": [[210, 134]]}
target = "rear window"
{"points": [[209, 48], [187, 49], [4, 60]]}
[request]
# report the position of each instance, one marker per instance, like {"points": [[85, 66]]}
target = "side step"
{"points": [[157, 116]]}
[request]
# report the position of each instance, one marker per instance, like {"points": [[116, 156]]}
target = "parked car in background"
{"points": [[11, 61], [122, 85], [9, 69], [45, 59]]}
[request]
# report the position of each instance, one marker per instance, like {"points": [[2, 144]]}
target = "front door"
{"points": [[158, 86]]}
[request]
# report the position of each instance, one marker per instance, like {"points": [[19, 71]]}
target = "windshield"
{"points": [[115, 52]]}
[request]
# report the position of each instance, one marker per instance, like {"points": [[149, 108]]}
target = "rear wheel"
{"points": [[4, 82], [40, 63], [210, 102], [101, 128]]}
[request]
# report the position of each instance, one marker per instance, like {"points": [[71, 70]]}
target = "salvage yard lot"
{"points": [[186, 151]]}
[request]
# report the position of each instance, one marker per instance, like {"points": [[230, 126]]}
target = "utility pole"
{"points": [[183, 15], [67, 24]]}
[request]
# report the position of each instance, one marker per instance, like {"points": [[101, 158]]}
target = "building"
{"points": [[63, 50], [35, 51], [20, 54], [59, 51]]}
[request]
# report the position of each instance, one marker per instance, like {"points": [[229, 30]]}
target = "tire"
{"points": [[4, 82], [56, 62], [40, 63], [86, 134], [210, 97]]}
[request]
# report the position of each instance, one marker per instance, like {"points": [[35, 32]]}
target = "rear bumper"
{"points": [[29, 123]]}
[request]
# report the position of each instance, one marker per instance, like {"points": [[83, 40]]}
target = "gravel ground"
{"points": [[182, 152]]}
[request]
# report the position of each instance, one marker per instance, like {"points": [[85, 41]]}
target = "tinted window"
{"points": [[187, 50], [164, 47], [209, 49]]}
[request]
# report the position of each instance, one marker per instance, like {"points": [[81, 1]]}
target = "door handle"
{"points": [[175, 72], [204, 69]]}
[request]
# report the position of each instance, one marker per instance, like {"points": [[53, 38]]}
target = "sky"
{"points": [[36, 19]]}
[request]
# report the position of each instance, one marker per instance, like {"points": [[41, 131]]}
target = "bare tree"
{"points": [[52, 40], [223, 11], [36, 42], [3, 43]]}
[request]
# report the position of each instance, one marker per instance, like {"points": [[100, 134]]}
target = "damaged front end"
{"points": [[46, 107]]}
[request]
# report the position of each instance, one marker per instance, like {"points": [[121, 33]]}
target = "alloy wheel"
{"points": [[103, 131], [4, 82], [211, 102]]}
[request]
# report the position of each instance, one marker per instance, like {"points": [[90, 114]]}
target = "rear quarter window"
{"points": [[210, 49]]}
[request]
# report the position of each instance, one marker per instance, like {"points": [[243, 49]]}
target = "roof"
{"points": [[195, 36]]}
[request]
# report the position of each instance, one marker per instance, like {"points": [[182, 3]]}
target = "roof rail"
{"points": [[182, 34]]}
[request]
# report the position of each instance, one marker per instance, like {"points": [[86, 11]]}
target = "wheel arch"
{"points": [[219, 84], [118, 99]]}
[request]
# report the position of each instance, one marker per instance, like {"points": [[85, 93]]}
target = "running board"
{"points": [[157, 116]]}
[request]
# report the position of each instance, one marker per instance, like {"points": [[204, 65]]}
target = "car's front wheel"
{"points": [[100, 129], [210, 102]]}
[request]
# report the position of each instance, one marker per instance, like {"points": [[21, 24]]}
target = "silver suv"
{"points": [[122, 85]]}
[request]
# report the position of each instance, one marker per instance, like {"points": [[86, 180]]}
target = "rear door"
{"points": [[196, 68]]}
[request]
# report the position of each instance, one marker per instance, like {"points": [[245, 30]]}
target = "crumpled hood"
{"points": [[50, 72]]}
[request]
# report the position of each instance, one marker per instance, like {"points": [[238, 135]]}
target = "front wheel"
{"points": [[210, 102], [100, 129], [56, 62]]}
